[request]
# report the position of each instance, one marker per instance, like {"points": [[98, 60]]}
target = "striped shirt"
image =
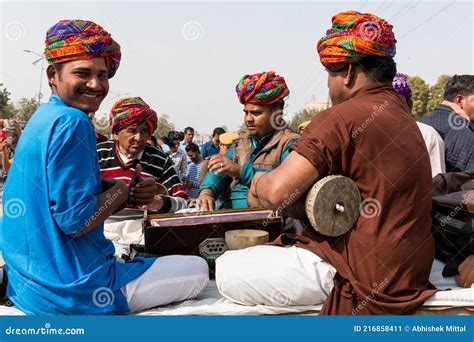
{"points": [[194, 171], [155, 164], [180, 160]]}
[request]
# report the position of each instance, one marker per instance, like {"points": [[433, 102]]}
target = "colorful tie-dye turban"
{"points": [[354, 36], [71, 40], [130, 112], [262, 89], [401, 86]]}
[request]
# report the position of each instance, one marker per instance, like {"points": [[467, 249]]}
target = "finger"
{"points": [[143, 195], [136, 175], [209, 204], [146, 182]]}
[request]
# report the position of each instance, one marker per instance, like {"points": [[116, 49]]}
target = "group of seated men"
{"points": [[59, 262]]}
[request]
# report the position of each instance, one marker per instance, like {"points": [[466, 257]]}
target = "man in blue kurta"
{"points": [[58, 260], [262, 149]]}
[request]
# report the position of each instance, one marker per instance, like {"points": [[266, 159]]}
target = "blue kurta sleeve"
{"points": [[73, 174], [218, 183], [248, 171]]}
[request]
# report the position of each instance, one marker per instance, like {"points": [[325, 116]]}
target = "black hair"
{"points": [[192, 147], [174, 135], [378, 69], [218, 130], [459, 85], [165, 140], [188, 129]]}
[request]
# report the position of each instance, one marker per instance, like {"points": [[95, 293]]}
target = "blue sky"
{"points": [[185, 58]]}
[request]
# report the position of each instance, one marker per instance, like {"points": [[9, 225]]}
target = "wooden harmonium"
{"points": [[183, 233]]}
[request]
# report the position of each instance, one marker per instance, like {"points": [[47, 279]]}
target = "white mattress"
{"points": [[210, 302]]}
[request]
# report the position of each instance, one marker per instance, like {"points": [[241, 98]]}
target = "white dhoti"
{"points": [[276, 276], [170, 279]]}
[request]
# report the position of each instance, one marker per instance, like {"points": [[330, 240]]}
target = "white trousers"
{"points": [[170, 279], [275, 276]]}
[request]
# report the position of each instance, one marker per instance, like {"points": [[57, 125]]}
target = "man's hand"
{"points": [[157, 204], [221, 164], [205, 201], [141, 191]]}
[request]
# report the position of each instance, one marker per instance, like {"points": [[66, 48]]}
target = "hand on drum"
{"points": [[221, 164]]}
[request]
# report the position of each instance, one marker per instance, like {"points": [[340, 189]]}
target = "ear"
{"points": [[116, 137], [349, 77], [459, 99], [51, 73]]}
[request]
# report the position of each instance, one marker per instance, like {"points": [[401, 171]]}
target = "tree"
{"points": [[436, 93], [7, 110], [420, 96], [300, 117], [26, 108], [164, 126]]}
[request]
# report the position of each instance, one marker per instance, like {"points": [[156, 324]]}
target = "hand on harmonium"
{"points": [[205, 201], [221, 164], [141, 191]]}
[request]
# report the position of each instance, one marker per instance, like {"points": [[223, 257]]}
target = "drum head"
{"points": [[332, 205]]}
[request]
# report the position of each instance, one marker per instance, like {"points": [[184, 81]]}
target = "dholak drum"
{"points": [[332, 205]]}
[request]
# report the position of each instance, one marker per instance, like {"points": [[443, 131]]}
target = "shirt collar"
{"points": [[56, 100]]}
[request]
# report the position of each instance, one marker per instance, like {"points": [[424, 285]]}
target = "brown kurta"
{"points": [[383, 263]]}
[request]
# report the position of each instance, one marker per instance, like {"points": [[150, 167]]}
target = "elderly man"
{"points": [[453, 119], [54, 202], [133, 123], [384, 261], [262, 149]]}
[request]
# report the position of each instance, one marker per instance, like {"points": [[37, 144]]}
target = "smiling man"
{"points": [[262, 149], [52, 239]]}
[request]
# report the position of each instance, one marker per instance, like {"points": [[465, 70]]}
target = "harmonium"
{"points": [[203, 233]]}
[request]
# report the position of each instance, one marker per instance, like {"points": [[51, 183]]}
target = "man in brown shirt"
{"points": [[383, 263]]}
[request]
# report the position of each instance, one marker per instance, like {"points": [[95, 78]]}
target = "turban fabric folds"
{"points": [[265, 88], [130, 112], [353, 36], [71, 40]]}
